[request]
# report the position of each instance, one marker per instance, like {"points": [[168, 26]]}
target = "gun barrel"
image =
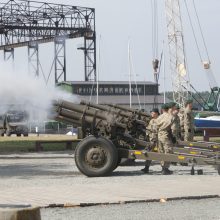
{"points": [[65, 119], [129, 110], [82, 109], [97, 106], [69, 114], [107, 108], [77, 113]]}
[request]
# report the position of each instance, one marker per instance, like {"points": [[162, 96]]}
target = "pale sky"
{"points": [[118, 20]]}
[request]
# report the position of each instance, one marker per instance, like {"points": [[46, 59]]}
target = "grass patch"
{"points": [[27, 144]]}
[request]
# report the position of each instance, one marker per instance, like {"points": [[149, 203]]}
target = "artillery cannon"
{"points": [[134, 125], [108, 136]]}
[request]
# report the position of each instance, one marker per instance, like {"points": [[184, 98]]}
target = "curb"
{"points": [[34, 157], [161, 200]]}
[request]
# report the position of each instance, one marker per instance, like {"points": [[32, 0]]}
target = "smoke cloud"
{"points": [[20, 91]]}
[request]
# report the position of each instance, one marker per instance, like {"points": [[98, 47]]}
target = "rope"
{"points": [[193, 30], [200, 28], [154, 25]]}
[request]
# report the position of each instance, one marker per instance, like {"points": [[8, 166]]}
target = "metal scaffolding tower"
{"points": [[180, 77], [60, 59], [33, 58], [31, 23]]}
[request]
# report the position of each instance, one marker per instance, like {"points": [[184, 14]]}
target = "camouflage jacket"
{"points": [[164, 123], [188, 120], [152, 130], [176, 128]]}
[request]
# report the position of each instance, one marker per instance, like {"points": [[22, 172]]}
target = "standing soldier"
{"points": [[181, 117], [165, 137], [176, 128], [188, 121], [152, 133], [164, 108]]}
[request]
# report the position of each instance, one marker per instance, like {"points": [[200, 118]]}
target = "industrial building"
{"points": [[144, 95]]}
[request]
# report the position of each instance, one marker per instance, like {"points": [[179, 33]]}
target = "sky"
{"points": [[120, 20]]}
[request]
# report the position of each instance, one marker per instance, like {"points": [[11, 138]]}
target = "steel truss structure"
{"points": [[178, 67], [30, 23]]}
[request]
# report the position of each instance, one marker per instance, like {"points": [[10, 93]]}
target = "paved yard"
{"points": [[45, 179]]}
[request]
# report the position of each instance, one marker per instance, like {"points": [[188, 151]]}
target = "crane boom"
{"points": [[179, 74]]}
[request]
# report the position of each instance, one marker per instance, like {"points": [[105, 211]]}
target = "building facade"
{"points": [[144, 95]]}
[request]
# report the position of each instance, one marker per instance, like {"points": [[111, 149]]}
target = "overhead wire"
{"points": [[193, 31], [155, 48], [154, 25], [201, 31], [206, 64]]}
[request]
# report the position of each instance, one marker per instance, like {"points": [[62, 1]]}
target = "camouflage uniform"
{"points": [[176, 128], [152, 134], [181, 117], [188, 123], [152, 128], [165, 144]]}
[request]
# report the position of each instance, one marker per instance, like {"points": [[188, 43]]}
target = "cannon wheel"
{"points": [[96, 157], [118, 163]]}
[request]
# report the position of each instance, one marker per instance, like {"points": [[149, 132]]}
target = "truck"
{"points": [[111, 132], [14, 122]]}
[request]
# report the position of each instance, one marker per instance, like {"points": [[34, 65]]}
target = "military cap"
{"points": [[164, 106], [156, 110], [189, 101], [171, 104]]}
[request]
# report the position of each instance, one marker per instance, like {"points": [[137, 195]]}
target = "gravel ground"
{"points": [[181, 210]]}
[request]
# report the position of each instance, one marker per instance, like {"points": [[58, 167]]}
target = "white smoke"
{"points": [[20, 91]]}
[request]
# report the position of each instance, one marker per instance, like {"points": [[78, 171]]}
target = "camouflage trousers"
{"points": [[188, 136], [165, 145], [153, 145]]}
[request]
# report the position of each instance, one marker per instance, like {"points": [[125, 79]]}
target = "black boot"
{"points": [[145, 169], [184, 164], [166, 171]]}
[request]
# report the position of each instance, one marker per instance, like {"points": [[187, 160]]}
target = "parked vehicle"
{"points": [[14, 122], [2, 125]]}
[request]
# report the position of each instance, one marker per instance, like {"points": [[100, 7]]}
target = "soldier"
{"points": [[176, 129], [165, 137], [164, 108], [188, 121], [181, 117], [152, 133]]}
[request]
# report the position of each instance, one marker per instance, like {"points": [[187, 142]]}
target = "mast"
{"points": [[178, 68]]}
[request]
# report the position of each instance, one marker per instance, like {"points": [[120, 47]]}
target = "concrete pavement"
{"points": [[54, 179]]}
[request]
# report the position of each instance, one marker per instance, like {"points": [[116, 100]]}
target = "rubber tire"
{"points": [[25, 135], [118, 163], [111, 156], [18, 135]]}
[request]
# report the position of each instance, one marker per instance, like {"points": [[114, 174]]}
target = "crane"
{"points": [[212, 103], [178, 67]]}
